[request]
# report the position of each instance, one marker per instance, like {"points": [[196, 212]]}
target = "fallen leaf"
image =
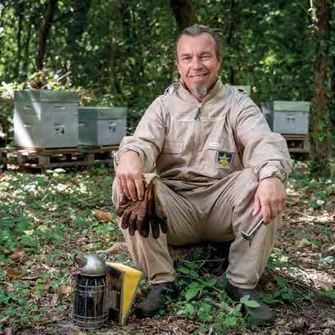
{"points": [[65, 290], [32, 214], [331, 249], [117, 246], [323, 284], [42, 227], [4, 319], [17, 255], [104, 216], [304, 243], [12, 273], [54, 299]]}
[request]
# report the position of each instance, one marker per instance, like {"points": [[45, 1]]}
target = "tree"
{"points": [[44, 32], [183, 12], [322, 145]]}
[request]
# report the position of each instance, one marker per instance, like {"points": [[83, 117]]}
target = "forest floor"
{"points": [[46, 219]]}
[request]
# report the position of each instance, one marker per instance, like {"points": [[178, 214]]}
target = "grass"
{"points": [[46, 219]]}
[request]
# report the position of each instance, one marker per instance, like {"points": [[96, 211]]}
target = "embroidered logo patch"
{"points": [[224, 158]]}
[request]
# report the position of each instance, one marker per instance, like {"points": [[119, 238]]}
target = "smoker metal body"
{"points": [[45, 119], [101, 125], [103, 292], [90, 293]]}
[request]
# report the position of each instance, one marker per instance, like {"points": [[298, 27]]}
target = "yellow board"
{"points": [[122, 283]]}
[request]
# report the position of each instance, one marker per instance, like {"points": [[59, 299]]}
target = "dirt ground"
{"points": [[303, 257]]}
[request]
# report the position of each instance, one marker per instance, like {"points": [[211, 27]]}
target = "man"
{"points": [[220, 170]]}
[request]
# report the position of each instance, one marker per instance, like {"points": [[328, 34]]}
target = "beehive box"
{"points": [[287, 117], [45, 119], [102, 125]]}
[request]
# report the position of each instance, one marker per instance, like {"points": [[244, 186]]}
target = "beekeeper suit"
{"points": [[214, 162]]}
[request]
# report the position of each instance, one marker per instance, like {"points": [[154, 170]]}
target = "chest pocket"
{"points": [[172, 147]]}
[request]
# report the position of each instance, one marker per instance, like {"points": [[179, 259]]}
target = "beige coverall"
{"points": [[209, 157]]}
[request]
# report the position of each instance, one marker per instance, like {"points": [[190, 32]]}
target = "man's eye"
{"points": [[186, 58], [204, 57]]}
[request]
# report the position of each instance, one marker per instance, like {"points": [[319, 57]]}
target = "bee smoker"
{"points": [[90, 292]]}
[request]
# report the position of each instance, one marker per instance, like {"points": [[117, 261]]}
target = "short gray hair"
{"points": [[198, 29]]}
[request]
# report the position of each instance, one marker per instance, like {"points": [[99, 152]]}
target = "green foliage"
{"points": [[48, 218], [328, 293], [282, 293], [203, 299], [122, 54]]}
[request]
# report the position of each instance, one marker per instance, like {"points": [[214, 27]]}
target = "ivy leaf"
{"points": [[244, 299], [251, 304], [192, 291], [184, 270], [281, 282]]}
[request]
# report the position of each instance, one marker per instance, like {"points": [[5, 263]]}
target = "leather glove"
{"points": [[142, 214]]}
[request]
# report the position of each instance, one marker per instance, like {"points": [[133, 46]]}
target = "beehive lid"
{"points": [[102, 112], [45, 96], [291, 106]]}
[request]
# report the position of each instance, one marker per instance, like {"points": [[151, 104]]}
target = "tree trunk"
{"points": [[76, 28], [321, 129], [20, 14], [26, 51], [183, 12], [44, 32], [79, 21], [229, 39]]}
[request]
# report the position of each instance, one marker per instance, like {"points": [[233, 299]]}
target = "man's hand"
{"points": [[269, 198], [129, 176], [142, 215]]}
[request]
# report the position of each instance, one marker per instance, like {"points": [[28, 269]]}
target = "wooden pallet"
{"points": [[46, 158], [8, 156], [297, 143]]}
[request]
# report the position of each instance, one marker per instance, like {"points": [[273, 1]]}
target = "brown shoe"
{"points": [[154, 301], [255, 315]]}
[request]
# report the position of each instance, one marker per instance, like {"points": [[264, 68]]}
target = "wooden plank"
{"points": [[48, 150], [297, 143], [54, 158]]}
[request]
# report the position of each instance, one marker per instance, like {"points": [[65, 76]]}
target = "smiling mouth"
{"points": [[199, 75]]}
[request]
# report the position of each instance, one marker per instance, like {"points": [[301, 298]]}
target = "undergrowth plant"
{"points": [[202, 298], [45, 220]]}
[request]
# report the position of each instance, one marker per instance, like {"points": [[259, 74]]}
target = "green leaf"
{"points": [[42, 227], [252, 304], [212, 281], [244, 299], [328, 293], [288, 296], [281, 282], [192, 291], [188, 309], [268, 298], [184, 270]]}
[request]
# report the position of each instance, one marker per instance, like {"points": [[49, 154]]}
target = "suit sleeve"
{"points": [[263, 151], [148, 138]]}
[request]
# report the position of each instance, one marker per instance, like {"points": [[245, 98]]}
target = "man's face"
{"points": [[197, 63]]}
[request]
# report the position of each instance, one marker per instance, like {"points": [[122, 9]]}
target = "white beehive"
{"points": [[102, 125], [45, 119], [287, 117]]}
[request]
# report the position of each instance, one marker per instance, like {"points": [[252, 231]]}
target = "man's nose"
{"points": [[196, 63]]}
